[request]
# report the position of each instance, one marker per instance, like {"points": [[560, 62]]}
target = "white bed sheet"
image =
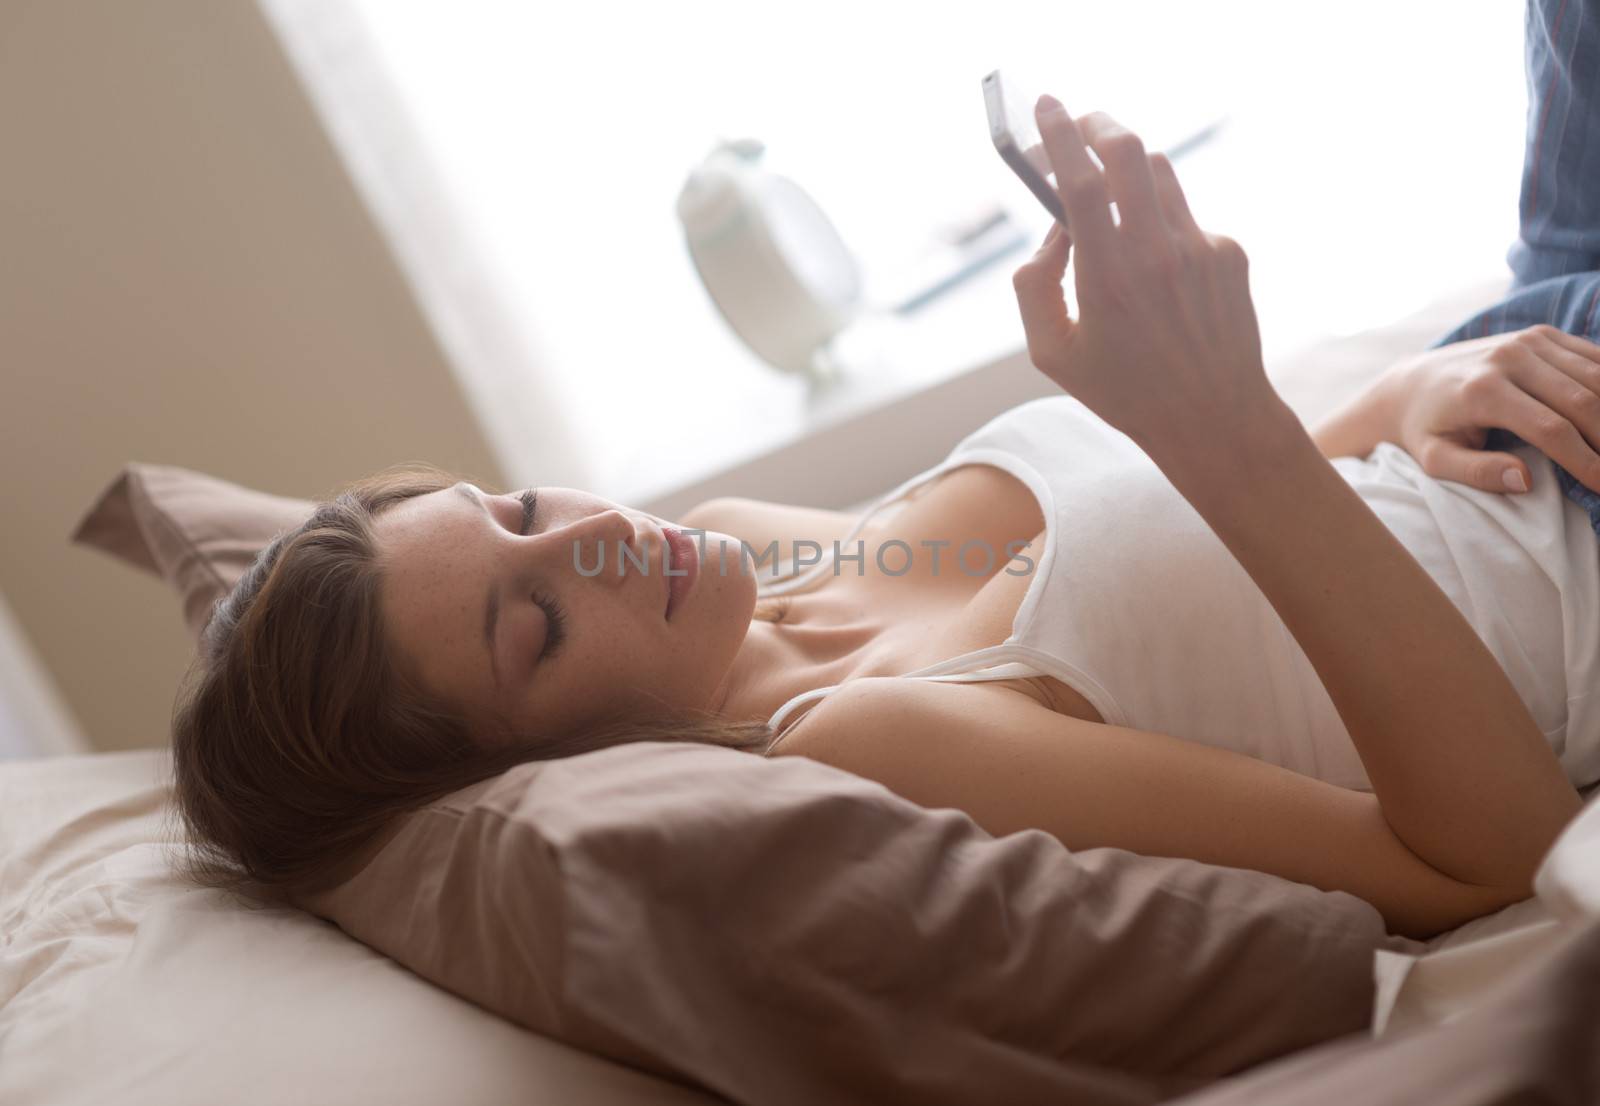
{"points": [[120, 984]]}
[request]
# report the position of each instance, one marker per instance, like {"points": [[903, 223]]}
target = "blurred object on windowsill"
{"points": [[769, 258], [955, 253]]}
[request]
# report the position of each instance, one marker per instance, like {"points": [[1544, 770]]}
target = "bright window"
{"points": [[1369, 163]]}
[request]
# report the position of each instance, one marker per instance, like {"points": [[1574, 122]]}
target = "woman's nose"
{"points": [[596, 542]]}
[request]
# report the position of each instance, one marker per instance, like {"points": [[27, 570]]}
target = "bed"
{"points": [[120, 983]]}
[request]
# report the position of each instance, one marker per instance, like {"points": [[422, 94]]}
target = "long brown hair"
{"points": [[298, 737]]}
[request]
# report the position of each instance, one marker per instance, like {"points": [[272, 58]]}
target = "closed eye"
{"points": [[555, 615], [556, 625], [530, 501]]}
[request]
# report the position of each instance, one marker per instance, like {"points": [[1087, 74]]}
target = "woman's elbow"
{"points": [[1441, 910]]}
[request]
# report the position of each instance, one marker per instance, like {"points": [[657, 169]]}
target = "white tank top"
{"points": [[1137, 605]]}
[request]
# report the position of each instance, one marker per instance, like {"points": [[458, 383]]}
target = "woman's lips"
{"points": [[683, 558]]}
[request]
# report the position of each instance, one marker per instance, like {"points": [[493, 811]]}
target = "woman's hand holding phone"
{"points": [[1166, 347]]}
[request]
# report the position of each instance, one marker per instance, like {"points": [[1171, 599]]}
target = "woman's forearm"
{"points": [[1462, 772]]}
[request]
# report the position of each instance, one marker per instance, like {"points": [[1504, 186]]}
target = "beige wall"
{"points": [[186, 277]]}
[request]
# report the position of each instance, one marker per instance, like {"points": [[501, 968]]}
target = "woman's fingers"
{"points": [[1079, 181], [1174, 205], [1582, 347], [1533, 405], [1577, 357], [1167, 338], [1444, 459], [1537, 374], [1128, 176]]}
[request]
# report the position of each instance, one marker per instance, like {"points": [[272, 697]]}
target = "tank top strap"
{"points": [[1005, 661], [776, 721]]}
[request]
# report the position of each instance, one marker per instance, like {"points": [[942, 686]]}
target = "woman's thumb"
{"points": [[1487, 470], [1054, 249], [1038, 287]]}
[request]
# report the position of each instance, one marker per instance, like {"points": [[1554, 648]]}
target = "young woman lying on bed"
{"points": [[1201, 637]]}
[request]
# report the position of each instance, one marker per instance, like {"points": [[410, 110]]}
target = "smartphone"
{"points": [[1016, 137]]}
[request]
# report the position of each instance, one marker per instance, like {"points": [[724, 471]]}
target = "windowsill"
{"points": [[910, 387]]}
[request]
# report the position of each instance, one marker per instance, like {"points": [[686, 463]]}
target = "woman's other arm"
{"points": [[1167, 350], [1540, 383], [1011, 765]]}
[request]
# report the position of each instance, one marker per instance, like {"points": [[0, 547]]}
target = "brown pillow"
{"points": [[197, 532], [780, 930]]}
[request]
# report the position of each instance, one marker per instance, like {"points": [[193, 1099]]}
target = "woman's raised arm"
{"points": [[1167, 350]]}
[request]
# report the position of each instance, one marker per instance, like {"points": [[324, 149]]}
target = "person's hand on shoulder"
{"points": [[1439, 405]]}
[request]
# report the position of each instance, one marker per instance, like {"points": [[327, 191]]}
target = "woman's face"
{"points": [[465, 591]]}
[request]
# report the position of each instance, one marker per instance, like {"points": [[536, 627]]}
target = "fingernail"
{"points": [[1514, 480], [1048, 103]]}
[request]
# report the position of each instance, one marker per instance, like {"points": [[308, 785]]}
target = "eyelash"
{"points": [[555, 615], [529, 500], [556, 635]]}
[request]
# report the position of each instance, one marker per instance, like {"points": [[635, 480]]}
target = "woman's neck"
{"points": [[816, 644]]}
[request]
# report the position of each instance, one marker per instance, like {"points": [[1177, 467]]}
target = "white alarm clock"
{"points": [[771, 260]]}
